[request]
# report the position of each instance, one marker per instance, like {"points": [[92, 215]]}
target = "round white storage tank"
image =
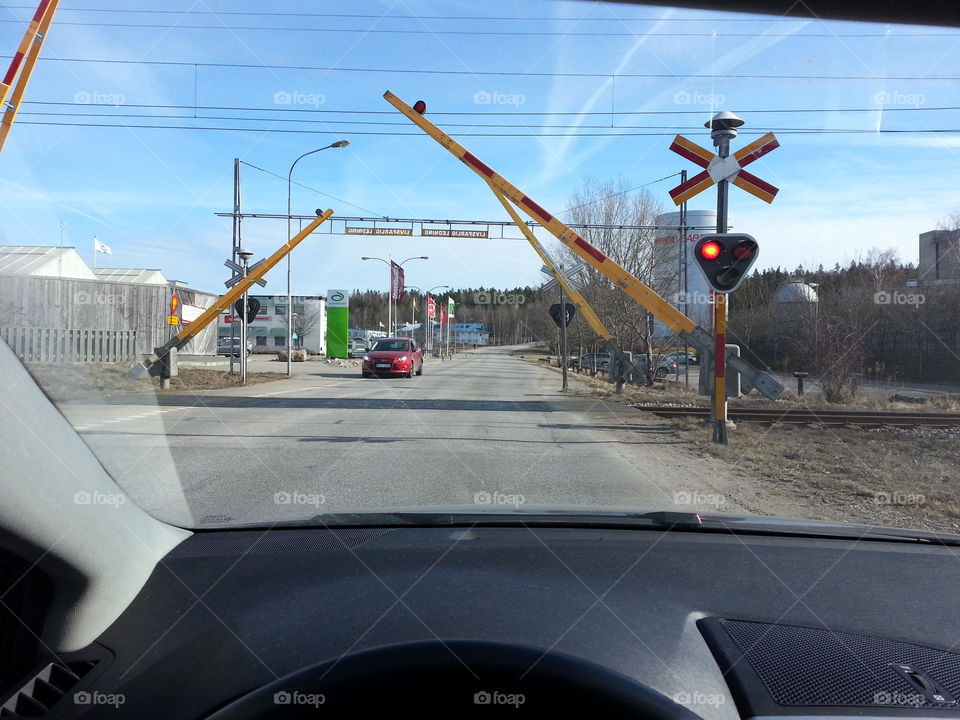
{"points": [[666, 268]]}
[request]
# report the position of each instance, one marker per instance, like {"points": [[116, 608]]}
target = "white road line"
{"points": [[281, 392]]}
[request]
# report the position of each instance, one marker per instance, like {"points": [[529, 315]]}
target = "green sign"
{"points": [[338, 323]]}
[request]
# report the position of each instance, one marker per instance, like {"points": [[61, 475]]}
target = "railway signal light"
{"points": [[726, 259], [420, 106]]}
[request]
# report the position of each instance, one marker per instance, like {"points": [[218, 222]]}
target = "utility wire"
{"points": [[194, 108], [622, 192], [312, 189], [501, 73], [516, 33], [388, 123], [812, 131]]}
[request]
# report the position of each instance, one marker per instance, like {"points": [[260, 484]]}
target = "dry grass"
{"points": [[898, 477], [76, 381]]}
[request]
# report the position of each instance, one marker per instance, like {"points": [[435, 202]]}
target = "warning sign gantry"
{"points": [[729, 168]]}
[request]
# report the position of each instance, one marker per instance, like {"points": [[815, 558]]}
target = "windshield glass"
{"points": [[522, 194], [391, 345]]}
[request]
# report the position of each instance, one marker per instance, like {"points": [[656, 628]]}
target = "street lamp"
{"points": [[390, 292], [337, 144]]}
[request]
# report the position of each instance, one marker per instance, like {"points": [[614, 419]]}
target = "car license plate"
{"points": [[384, 365]]}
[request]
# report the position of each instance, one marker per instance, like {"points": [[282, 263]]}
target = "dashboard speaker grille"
{"points": [[815, 666]]}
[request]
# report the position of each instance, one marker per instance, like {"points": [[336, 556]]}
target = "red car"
{"points": [[393, 356]]}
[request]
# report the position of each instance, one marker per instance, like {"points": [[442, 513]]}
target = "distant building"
{"points": [[268, 331], [44, 261], [939, 257], [464, 334], [135, 276]]}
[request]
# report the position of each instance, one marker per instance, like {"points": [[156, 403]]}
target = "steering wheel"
{"points": [[453, 679]]}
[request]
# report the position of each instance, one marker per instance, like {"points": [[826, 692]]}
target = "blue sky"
{"points": [[151, 194]]}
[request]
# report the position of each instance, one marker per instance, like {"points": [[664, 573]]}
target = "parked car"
{"points": [[228, 346], [682, 358], [587, 361], [393, 356], [664, 365]]}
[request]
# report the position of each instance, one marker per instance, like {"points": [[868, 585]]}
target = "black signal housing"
{"points": [[725, 259]]}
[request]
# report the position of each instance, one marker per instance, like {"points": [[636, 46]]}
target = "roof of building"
{"points": [[44, 261], [138, 276]]}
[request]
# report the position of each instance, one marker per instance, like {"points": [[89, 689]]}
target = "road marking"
{"points": [[281, 392]]}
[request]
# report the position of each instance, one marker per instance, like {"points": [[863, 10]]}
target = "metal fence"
{"points": [[66, 345]]}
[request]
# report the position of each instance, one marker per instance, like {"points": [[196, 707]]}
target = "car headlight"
{"points": [[402, 358], [366, 358]]}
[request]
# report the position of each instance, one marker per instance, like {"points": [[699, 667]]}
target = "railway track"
{"points": [[805, 416]]}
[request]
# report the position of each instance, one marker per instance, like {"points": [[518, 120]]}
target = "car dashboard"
{"points": [[297, 622]]}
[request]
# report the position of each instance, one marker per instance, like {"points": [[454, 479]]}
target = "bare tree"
{"points": [[613, 204], [303, 322]]}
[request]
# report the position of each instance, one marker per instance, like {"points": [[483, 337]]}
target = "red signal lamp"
{"points": [[420, 106], [710, 250]]}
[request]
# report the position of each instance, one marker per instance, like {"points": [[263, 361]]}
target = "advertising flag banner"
{"points": [[396, 282]]}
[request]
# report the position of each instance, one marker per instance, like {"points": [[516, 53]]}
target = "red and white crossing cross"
{"points": [[728, 168]]}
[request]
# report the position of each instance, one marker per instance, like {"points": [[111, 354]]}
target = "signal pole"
{"points": [[563, 335], [723, 128]]}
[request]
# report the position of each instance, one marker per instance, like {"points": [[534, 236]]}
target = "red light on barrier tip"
{"points": [[420, 106], [710, 250]]}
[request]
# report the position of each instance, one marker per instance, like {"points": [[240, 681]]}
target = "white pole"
{"points": [[94, 251]]}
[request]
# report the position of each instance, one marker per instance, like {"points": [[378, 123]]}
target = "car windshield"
{"points": [[544, 206], [391, 345]]}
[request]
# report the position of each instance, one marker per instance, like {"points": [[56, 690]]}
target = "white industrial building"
{"points": [[268, 331]]}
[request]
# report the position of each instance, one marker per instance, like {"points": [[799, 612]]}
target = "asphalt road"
{"points": [[482, 430]]}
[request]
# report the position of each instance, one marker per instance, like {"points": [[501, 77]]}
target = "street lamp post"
{"points": [[337, 144], [390, 291]]}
